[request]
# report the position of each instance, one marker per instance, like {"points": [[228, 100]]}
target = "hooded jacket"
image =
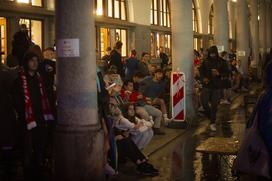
{"points": [[214, 82]]}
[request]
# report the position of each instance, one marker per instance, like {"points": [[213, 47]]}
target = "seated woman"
{"points": [[126, 147], [144, 134], [144, 110]]}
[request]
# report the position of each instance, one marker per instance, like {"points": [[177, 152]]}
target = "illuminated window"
{"points": [[160, 13], [109, 36], [111, 8], [35, 30], [30, 2], [160, 39], [3, 38], [210, 22], [195, 19]]}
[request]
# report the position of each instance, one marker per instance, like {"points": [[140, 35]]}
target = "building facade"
{"points": [[144, 25]]}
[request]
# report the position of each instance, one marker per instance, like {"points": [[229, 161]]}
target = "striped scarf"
{"points": [[29, 114]]}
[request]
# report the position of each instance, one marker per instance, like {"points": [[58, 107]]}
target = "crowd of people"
{"points": [[133, 98]]}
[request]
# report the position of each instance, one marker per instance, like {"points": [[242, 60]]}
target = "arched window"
{"points": [[160, 13], [195, 19], [210, 23], [111, 8]]}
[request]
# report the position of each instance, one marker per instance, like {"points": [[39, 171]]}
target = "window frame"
{"points": [[26, 4], [42, 29], [162, 13], [105, 8], [195, 18]]}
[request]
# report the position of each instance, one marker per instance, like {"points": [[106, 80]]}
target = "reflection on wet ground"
{"points": [[187, 164], [179, 161]]}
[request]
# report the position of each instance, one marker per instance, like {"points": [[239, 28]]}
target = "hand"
{"points": [[215, 72], [140, 96], [206, 81]]}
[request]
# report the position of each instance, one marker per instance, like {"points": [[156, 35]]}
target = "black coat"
{"points": [[116, 60], [8, 120], [215, 82]]}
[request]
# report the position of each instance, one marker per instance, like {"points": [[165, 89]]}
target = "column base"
{"points": [[79, 153]]}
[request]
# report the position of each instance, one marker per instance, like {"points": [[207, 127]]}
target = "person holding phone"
{"points": [[212, 70]]}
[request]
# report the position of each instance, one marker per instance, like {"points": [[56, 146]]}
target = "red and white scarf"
{"points": [[29, 114]]}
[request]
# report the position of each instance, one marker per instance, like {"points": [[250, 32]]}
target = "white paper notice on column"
{"points": [[220, 48], [241, 53], [68, 48]]}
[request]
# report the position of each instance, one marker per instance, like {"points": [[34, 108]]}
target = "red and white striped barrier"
{"points": [[178, 96]]}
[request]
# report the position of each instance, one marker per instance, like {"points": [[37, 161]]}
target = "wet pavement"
{"points": [[179, 159]]}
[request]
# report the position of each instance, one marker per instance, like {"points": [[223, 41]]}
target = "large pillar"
{"points": [[243, 34], [13, 27], [221, 23], [79, 139], [182, 32], [254, 27], [268, 26], [262, 26]]}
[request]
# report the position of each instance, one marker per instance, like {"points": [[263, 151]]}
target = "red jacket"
{"points": [[132, 97]]}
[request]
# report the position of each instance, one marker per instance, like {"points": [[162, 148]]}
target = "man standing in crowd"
{"points": [[211, 72], [116, 58], [142, 65], [34, 114], [131, 65], [164, 58]]}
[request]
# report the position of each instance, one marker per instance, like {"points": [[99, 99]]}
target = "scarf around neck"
{"points": [[29, 114]]}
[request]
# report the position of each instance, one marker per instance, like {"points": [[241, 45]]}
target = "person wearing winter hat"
{"points": [[34, 114], [211, 72]]}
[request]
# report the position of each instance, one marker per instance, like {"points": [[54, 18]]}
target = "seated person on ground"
{"points": [[153, 89], [113, 81], [144, 134], [144, 110], [126, 148]]}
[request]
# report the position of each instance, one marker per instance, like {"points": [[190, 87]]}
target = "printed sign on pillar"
{"points": [[178, 96]]}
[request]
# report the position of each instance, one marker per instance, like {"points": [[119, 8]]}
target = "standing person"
{"points": [[131, 65], [142, 65], [20, 44], [164, 58], [34, 113], [8, 131], [116, 58], [211, 72], [226, 82]]}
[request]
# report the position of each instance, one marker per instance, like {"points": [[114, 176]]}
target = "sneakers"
{"points": [[167, 120], [147, 169], [158, 131], [213, 127]]}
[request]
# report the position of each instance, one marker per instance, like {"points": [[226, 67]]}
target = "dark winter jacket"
{"points": [[116, 59], [214, 82], [131, 66], [8, 119]]}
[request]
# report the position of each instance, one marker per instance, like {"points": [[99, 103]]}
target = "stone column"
{"points": [[262, 26], [221, 23], [182, 32], [243, 34], [79, 139], [254, 27], [268, 26]]}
